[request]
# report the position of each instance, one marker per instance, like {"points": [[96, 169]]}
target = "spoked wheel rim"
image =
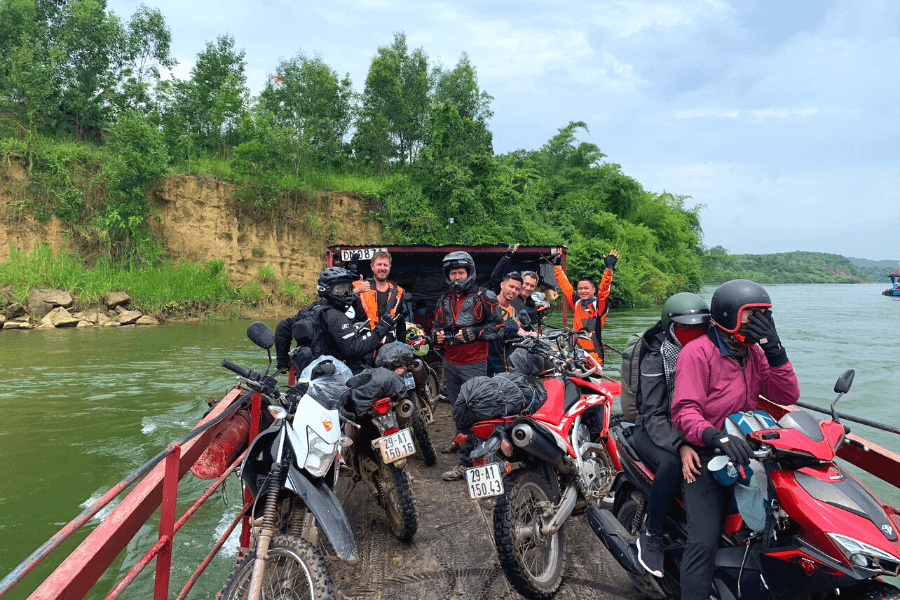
{"points": [[538, 554], [286, 577]]}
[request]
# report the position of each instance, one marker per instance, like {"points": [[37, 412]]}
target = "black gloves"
{"points": [[353, 264], [610, 261], [761, 326], [469, 335], [510, 249], [735, 447], [555, 259], [390, 321]]}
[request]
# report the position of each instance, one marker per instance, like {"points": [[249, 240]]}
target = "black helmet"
{"points": [[685, 308], [731, 298], [336, 287], [459, 260]]}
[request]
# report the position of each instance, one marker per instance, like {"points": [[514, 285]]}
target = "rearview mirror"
{"points": [[844, 382], [260, 334]]}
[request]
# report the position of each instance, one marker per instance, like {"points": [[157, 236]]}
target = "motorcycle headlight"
{"points": [[866, 556], [320, 456]]}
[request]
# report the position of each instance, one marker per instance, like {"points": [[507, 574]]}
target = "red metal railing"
{"points": [[84, 566]]}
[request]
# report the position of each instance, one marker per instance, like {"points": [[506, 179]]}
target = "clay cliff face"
{"points": [[195, 218]]}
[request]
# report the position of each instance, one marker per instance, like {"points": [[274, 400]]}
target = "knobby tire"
{"points": [[515, 506], [294, 569], [399, 504], [423, 440]]}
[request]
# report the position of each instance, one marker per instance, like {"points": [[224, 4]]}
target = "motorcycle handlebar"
{"points": [[245, 373]]}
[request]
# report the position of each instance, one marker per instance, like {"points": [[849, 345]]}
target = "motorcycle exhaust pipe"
{"points": [[419, 373], [536, 443], [405, 409]]}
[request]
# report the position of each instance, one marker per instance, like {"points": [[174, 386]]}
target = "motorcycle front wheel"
{"points": [[533, 563], [294, 570]]}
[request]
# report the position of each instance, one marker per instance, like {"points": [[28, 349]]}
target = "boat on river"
{"points": [[894, 290]]}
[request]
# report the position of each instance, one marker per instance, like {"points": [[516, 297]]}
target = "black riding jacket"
{"points": [[652, 399], [339, 338]]}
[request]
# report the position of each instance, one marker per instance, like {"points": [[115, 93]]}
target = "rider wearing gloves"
{"points": [[339, 337], [465, 319], [719, 374], [588, 304]]}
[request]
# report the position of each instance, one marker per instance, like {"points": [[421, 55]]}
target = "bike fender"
{"points": [[328, 511]]}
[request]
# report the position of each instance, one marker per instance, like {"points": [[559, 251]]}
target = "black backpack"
{"points": [[630, 375], [307, 331]]}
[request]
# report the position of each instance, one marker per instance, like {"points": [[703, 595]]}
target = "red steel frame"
{"points": [[84, 566]]}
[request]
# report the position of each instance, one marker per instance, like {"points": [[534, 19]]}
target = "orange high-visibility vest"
{"points": [[586, 314], [369, 300]]}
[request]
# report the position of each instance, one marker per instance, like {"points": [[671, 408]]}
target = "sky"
{"points": [[781, 118]]}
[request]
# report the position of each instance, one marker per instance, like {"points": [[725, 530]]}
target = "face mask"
{"points": [[420, 312]]}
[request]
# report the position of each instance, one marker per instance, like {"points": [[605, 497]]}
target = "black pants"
{"points": [[667, 476], [704, 502], [454, 377]]}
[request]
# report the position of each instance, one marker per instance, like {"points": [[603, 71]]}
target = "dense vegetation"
{"points": [[87, 106], [786, 267]]}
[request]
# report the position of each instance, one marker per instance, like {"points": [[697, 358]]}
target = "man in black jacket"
{"points": [[524, 304], [334, 333]]}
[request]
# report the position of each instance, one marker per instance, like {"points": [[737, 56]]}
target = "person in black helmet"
{"points": [[339, 337], [685, 317], [721, 373], [465, 319]]}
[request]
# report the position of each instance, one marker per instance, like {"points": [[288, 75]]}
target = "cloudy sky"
{"points": [[781, 117]]}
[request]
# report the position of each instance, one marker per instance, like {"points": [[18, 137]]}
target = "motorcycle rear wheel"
{"points": [[533, 564], [399, 504], [294, 570], [626, 516]]}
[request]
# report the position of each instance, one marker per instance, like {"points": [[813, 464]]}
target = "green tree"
{"points": [[459, 87], [307, 96], [144, 46], [395, 103]]}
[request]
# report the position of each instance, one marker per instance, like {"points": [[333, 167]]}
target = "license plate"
{"points": [[410, 381], [396, 446], [484, 482], [364, 253]]}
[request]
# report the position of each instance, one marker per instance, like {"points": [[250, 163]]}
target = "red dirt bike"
{"points": [[825, 534], [562, 463]]}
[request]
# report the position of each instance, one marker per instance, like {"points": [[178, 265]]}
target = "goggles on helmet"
{"points": [[340, 288]]}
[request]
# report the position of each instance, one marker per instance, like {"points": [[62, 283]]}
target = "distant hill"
{"points": [[876, 270], [785, 267]]}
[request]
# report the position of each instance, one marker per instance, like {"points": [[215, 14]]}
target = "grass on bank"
{"points": [[170, 289]]}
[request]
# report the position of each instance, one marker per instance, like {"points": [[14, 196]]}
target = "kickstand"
{"points": [[349, 491]]}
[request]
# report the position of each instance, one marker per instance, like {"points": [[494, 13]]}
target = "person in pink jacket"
{"points": [[716, 375]]}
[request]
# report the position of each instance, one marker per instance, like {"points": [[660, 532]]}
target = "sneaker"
{"points": [[455, 474], [450, 449], [650, 552]]}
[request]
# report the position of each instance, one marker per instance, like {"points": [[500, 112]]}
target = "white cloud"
{"points": [[758, 114]]}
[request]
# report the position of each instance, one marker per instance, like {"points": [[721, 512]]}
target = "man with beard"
{"points": [[378, 296]]}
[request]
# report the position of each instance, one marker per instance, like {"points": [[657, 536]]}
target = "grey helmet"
{"points": [[459, 260], [685, 308]]}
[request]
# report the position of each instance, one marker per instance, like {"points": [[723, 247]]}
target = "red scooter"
{"points": [[563, 463], [825, 533]]}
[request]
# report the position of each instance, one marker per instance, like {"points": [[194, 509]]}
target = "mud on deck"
{"points": [[452, 555]]}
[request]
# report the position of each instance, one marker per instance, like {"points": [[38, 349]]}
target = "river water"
{"points": [[80, 409]]}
